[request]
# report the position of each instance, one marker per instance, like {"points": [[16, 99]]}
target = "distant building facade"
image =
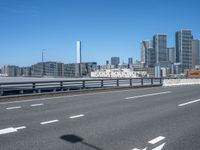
{"points": [[72, 70], [11, 70], [50, 69], [130, 60], [115, 61]]}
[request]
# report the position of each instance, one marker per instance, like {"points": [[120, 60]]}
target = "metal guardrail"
{"points": [[14, 88]]}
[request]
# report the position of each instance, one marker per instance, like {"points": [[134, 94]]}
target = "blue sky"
{"points": [[105, 27]]}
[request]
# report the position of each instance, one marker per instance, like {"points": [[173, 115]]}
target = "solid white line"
{"points": [[156, 140], [191, 102], [7, 130], [47, 122], [77, 116], [146, 95], [58, 97], [139, 149], [159, 147], [33, 105], [16, 107]]}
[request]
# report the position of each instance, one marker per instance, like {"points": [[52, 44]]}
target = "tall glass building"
{"points": [[160, 46], [184, 48]]}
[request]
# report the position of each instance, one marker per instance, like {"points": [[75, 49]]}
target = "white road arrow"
{"points": [[139, 149], [159, 147]]}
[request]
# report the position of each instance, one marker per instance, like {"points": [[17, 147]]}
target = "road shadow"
{"points": [[76, 139]]}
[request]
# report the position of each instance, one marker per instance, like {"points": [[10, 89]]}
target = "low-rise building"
{"points": [[118, 73]]}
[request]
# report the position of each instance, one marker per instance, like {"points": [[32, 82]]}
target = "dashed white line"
{"points": [[191, 102], [16, 107], [47, 122], [34, 105], [77, 116], [7, 130], [11, 130], [156, 140], [19, 128], [146, 95]]}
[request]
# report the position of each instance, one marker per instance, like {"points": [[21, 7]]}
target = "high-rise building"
{"points": [[78, 52], [144, 45], [115, 61], [160, 45], [130, 60], [195, 53], [150, 57], [184, 48], [171, 54]]}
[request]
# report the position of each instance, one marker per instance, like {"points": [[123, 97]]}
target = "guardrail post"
{"points": [[2, 92], [83, 84], [101, 83], [160, 80], [117, 82], [21, 91], [131, 84], [151, 81], [34, 91], [61, 85], [142, 82]]}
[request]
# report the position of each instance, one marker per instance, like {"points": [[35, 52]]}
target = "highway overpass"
{"points": [[156, 118]]}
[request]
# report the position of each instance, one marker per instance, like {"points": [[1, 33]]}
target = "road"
{"points": [[158, 118]]}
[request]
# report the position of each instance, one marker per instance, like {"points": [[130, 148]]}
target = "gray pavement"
{"points": [[160, 118]]}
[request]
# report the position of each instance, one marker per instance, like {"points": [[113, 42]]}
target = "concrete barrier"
{"points": [[175, 82]]}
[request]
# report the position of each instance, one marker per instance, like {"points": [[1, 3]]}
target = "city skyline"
{"points": [[105, 31]]}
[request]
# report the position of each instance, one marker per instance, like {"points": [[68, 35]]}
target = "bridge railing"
{"points": [[14, 88]]}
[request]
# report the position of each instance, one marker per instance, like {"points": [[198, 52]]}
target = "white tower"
{"points": [[78, 52]]}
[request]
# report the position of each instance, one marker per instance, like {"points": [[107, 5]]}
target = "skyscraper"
{"points": [[78, 52], [160, 45], [184, 48], [195, 53], [171, 54]]}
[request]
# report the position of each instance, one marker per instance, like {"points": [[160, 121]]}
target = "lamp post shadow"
{"points": [[76, 139]]}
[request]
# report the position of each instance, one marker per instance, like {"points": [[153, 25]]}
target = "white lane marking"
{"points": [[191, 102], [47, 122], [33, 105], [77, 116], [19, 128], [16, 107], [58, 97], [146, 95], [156, 140], [7, 130], [139, 149], [159, 147], [11, 130]]}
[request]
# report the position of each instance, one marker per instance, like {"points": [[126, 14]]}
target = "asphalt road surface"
{"points": [[160, 118]]}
